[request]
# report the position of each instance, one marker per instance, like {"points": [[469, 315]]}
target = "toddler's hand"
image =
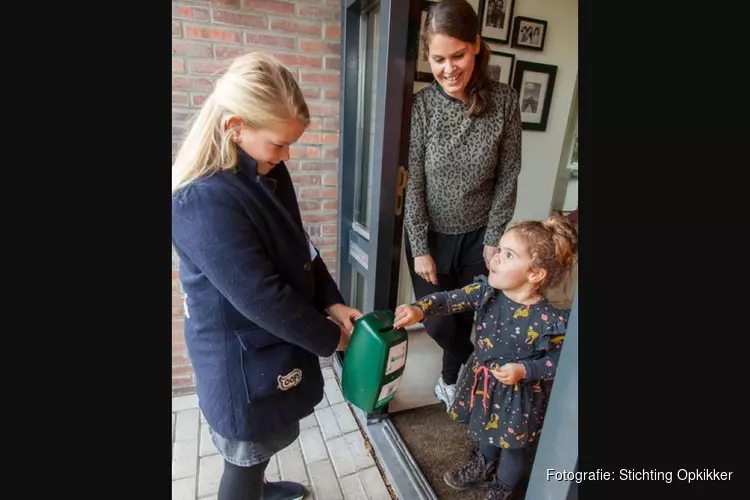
{"points": [[510, 373], [406, 316]]}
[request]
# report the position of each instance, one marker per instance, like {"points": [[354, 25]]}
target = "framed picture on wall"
{"points": [[529, 33], [424, 74], [501, 66], [495, 20], [534, 83]]}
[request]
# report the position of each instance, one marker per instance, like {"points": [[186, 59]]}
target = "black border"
{"points": [[549, 69], [514, 38]]}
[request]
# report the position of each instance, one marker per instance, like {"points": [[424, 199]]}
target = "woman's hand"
{"points": [[487, 253], [424, 266], [407, 315], [344, 316], [510, 374]]}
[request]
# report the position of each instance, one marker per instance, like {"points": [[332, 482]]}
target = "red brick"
{"points": [[189, 12], [330, 138], [315, 124], [324, 242], [328, 13], [329, 254], [229, 3], [178, 324], [178, 132], [177, 311], [292, 165], [269, 6], [178, 99], [332, 94], [316, 46], [304, 152], [175, 285], [331, 153], [300, 60], [280, 42], [306, 180], [333, 63], [182, 370], [176, 28], [329, 229], [177, 299], [238, 19], [322, 78], [331, 205], [208, 67], [331, 124], [228, 51], [310, 138], [309, 205], [324, 109], [311, 92], [308, 193], [317, 218], [181, 382], [191, 83], [178, 336], [197, 99], [180, 359], [179, 348], [197, 49], [330, 180], [333, 31], [178, 65], [213, 33], [181, 115], [319, 165], [298, 27]]}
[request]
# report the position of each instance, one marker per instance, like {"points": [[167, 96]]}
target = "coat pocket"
{"points": [[273, 369]]}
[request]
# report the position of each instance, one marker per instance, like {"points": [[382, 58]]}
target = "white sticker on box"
{"points": [[389, 389], [396, 358]]}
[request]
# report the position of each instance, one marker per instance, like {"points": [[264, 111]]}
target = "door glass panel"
{"points": [[359, 291], [370, 29]]}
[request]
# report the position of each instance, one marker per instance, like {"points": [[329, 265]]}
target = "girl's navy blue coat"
{"points": [[255, 321]]}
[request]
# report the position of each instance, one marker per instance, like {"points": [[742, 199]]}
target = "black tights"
{"points": [[512, 462], [242, 483]]}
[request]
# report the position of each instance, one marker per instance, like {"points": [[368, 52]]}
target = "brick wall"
{"points": [[305, 35]]}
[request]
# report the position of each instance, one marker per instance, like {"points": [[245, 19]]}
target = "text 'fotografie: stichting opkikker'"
{"points": [[639, 475]]}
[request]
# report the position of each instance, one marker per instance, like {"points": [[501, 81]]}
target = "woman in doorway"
{"points": [[257, 291], [464, 161]]}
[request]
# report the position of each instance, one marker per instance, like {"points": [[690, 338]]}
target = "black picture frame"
{"points": [[507, 76], [531, 79], [488, 21], [422, 71], [520, 27]]}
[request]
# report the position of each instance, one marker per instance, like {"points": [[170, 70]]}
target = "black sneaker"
{"points": [[476, 473], [283, 490]]}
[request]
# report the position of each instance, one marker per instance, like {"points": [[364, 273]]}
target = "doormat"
{"points": [[437, 444]]}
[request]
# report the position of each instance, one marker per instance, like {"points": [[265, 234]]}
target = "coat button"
{"points": [[307, 266]]}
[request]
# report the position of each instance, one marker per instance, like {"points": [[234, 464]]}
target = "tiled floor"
{"points": [[329, 457]]}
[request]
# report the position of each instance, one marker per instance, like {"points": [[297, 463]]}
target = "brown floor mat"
{"points": [[438, 443]]}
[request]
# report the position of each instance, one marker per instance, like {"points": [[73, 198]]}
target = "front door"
{"points": [[377, 83]]}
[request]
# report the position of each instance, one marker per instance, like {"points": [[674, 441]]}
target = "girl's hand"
{"points": [[487, 253], [510, 373], [344, 316], [424, 266], [407, 315]]}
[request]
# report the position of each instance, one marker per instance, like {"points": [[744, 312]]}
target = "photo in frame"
{"points": [[529, 33], [495, 20], [423, 72], [534, 83], [500, 68]]}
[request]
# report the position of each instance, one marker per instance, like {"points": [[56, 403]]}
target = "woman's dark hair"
{"points": [[457, 19]]}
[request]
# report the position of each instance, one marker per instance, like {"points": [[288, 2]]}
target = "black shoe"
{"points": [[283, 490]]}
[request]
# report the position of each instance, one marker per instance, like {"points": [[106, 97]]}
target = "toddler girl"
{"points": [[519, 335]]}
